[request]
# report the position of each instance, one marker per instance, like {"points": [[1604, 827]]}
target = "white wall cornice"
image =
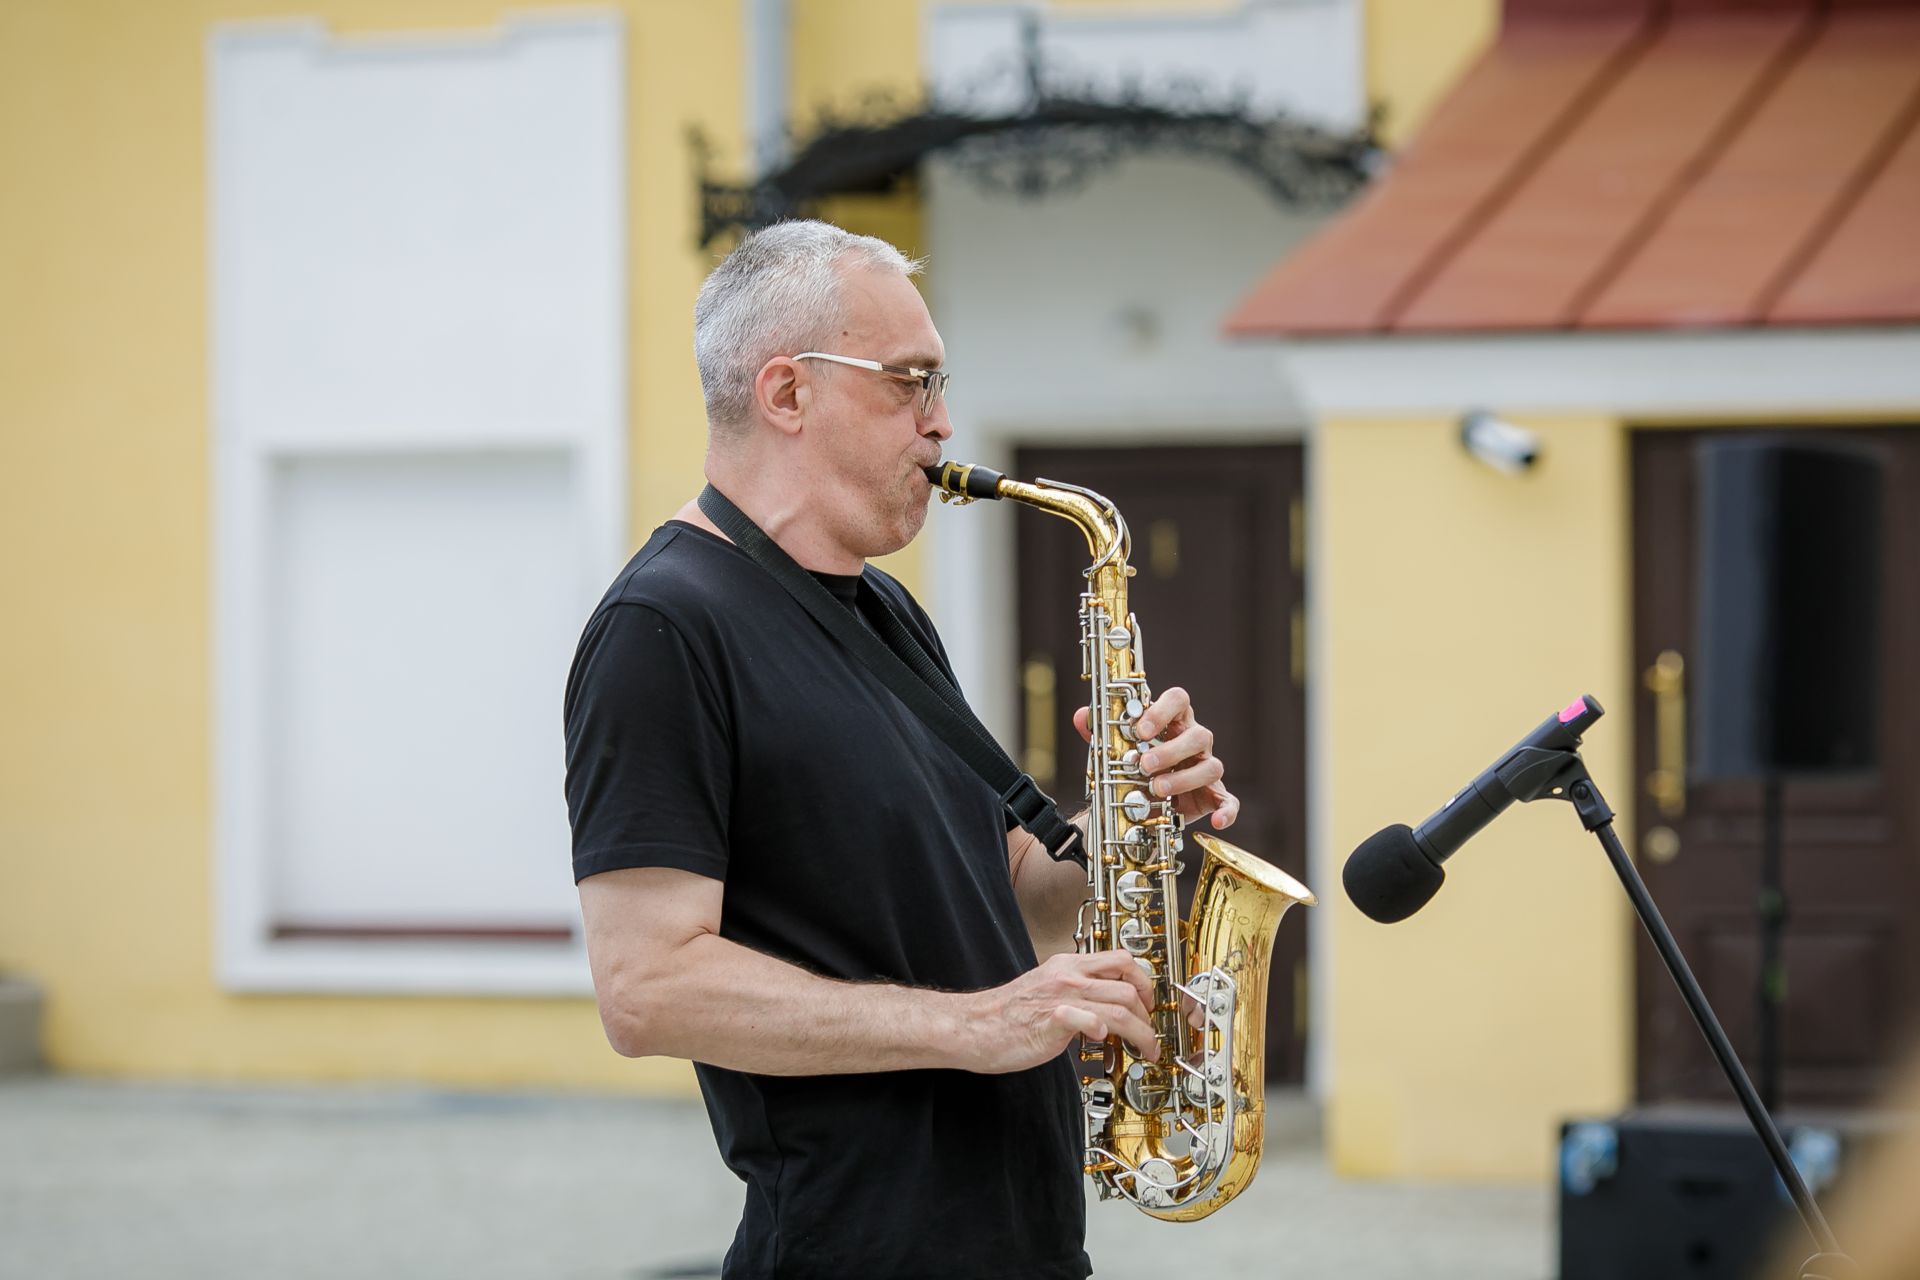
{"points": [[1730, 374]]}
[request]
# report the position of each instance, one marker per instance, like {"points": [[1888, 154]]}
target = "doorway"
{"points": [[1851, 861]]}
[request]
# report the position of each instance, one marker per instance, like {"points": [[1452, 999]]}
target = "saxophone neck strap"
{"points": [[905, 667]]}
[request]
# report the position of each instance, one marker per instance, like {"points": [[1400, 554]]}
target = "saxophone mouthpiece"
{"points": [[964, 481]]}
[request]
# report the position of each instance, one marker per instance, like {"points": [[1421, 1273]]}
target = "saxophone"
{"points": [[1181, 1136]]}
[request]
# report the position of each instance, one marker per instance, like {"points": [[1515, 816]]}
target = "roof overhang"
{"points": [[1643, 167]]}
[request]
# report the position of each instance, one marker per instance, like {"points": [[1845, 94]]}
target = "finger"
{"points": [[1195, 777], [1226, 810], [1167, 712], [1192, 742], [1215, 800], [1113, 991], [1129, 1026], [1081, 720], [1099, 1021], [1079, 1021], [1122, 965]]}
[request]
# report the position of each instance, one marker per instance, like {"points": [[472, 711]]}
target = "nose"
{"points": [[937, 425]]}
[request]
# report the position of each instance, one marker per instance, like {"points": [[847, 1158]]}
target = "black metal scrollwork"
{"points": [[1067, 128]]}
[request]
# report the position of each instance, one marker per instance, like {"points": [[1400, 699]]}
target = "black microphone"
{"points": [[1395, 871]]}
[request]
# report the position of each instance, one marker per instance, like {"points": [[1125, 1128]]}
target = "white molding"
{"points": [[1743, 375], [766, 58], [411, 968], [247, 444]]}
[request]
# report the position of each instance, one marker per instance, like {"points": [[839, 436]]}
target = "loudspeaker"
{"points": [[1785, 677], [1687, 1193]]}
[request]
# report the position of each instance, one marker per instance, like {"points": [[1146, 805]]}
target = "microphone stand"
{"points": [[1540, 773]]}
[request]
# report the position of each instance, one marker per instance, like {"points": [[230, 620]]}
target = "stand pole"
{"points": [[1598, 818], [1773, 922]]}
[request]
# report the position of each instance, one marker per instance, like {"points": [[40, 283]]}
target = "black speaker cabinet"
{"points": [[1786, 658], [1688, 1192]]}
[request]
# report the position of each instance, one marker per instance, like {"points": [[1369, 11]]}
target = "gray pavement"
{"points": [[101, 1179]]}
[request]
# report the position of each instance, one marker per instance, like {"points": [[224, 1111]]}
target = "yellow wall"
{"points": [[105, 815], [105, 836], [1416, 50], [1459, 607]]}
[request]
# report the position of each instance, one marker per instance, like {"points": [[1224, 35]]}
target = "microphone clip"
{"points": [[1554, 773]]}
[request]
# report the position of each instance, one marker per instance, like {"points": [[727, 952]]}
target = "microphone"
{"points": [[1397, 870]]}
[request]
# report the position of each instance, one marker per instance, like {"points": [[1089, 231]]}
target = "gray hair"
{"points": [[777, 294]]}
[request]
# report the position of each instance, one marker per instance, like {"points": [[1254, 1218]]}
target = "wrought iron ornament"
{"points": [[1067, 128]]}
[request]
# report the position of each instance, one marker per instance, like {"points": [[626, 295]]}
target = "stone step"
{"points": [[20, 1006]]}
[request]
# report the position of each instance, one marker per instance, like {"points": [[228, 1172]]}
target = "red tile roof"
{"points": [[1695, 163]]}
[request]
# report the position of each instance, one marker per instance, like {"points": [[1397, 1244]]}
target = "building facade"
{"points": [[334, 330]]}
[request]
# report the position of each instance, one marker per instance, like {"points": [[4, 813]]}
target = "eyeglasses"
{"points": [[932, 382]]}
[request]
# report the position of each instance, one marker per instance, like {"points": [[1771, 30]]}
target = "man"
{"points": [[785, 876]]}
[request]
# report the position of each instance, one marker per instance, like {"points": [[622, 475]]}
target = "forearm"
{"points": [[1050, 893], [718, 1002]]}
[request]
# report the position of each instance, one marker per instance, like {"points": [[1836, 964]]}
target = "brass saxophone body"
{"points": [[1179, 1137]]}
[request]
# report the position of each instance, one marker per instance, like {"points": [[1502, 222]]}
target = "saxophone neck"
{"points": [[1096, 518]]}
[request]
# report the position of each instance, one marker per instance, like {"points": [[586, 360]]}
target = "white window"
{"points": [[419, 405]]}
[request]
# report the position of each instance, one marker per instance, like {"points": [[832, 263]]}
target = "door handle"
{"points": [[1666, 679], [1038, 684]]}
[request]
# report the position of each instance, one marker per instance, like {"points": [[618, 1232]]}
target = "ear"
{"points": [[782, 390]]}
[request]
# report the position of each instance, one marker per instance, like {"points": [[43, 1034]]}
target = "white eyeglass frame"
{"points": [[933, 382]]}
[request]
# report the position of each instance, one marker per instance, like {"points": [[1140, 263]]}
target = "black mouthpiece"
{"points": [[1388, 877], [965, 478]]}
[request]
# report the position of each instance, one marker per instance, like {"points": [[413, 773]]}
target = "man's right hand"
{"points": [[670, 985], [1033, 1018]]}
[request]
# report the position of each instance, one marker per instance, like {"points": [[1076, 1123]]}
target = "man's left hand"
{"points": [[1181, 765]]}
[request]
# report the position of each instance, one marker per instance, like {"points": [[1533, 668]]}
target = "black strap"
{"points": [[904, 666]]}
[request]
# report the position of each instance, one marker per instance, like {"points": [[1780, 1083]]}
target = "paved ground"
{"points": [[171, 1183]]}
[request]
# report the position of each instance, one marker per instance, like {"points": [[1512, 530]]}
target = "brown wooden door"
{"points": [[1851, 847], [1216, 543]]}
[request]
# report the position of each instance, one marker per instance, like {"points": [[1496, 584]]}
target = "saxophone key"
{"points": [[1213, 1145], [1194, 1089], [1144, 1089], [1137, 936], [1132, 890], [1156, 1180]]}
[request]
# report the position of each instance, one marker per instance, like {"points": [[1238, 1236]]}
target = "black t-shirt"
{"points": [[713, 726]]}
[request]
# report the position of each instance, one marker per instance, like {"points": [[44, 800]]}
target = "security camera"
{"points": [[1498, 443]]}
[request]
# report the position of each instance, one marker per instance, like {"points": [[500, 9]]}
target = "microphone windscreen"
{"points": [[1388, 877]]}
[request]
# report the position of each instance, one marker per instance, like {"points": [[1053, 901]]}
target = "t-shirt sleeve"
{"points": [[649, 754]]}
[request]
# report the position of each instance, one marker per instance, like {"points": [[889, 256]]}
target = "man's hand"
{"points": [[1033, 1018], [1182, 765]]}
